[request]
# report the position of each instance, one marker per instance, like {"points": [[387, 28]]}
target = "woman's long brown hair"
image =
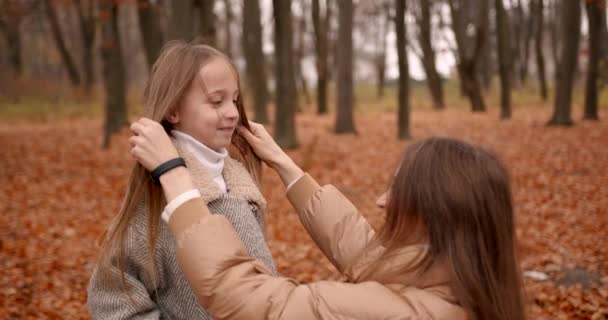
{"points": [[170, 77], [460, 196]]}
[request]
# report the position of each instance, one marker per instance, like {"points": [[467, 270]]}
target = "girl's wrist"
{"points": [[176, 182]]}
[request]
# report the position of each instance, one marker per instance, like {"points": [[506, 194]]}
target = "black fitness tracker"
{"points": [[167, 166]]}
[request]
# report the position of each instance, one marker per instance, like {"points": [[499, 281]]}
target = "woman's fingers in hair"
{"points": [[248, 135], [259, 130], [255, 127]]}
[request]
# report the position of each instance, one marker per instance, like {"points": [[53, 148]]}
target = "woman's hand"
{"points": [[151, 148], [263, 145], [267, 149]]}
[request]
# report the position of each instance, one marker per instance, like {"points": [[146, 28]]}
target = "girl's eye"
{"points": [[216, 102]]}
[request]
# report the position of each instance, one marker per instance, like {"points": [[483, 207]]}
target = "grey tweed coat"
{"points": [[171, 297]]}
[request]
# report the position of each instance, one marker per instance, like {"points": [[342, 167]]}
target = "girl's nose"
{"points": [[232, 112], [381, 202]]}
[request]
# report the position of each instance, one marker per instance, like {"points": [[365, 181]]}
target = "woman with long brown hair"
{"points": [[446, 251], [194, 92]]}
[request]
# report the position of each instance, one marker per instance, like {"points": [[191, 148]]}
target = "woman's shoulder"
{"points": [[380, 301]]}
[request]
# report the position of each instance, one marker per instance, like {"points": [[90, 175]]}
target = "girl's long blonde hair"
{"points": [[170, 77]]}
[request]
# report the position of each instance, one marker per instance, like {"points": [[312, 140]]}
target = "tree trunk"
{"points": [[604, 49], [63, 50], [380, 59], [255, 60], [151, 32], [470, 46], [538, 44], [380, 74], [502, 32], [428, 59], [472, 86], [227, 28], [570, 33], [113, 71], [487, 64], [299, 52], [321, 29], [596, 10], [208, 34], [403, 114], [604, 36], [332, 37], [182, 20], [518, 30], [522, 32], [344, 80], [523, 36], [86, 17], [528, 34], [556, 42], [285, 129], [13, 40]]}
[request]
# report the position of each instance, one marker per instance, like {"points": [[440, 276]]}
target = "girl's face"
{"points": [[208, 110]]}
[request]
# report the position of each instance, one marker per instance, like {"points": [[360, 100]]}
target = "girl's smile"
{"points": [[209, 110]]}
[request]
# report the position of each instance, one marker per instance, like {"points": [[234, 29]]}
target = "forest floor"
{"points": [[59, 190]]}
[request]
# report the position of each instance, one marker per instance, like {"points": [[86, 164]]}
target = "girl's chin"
{"points": [[222, 143]]}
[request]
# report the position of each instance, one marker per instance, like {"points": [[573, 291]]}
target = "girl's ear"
{"points": [[173, 117]]}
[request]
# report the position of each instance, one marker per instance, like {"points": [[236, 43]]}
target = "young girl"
{"points": [[447, 250], [194, 92]]}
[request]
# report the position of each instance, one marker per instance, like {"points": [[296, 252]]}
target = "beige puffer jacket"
{"points": [[233, 285]]}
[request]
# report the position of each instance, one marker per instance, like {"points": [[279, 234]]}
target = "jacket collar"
{"points": [[238, 180]]}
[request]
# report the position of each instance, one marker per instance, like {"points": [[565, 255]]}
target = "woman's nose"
{"points": [[381, 202]]}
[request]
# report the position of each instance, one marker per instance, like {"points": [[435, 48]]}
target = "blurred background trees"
{"points": [[323, 56]]}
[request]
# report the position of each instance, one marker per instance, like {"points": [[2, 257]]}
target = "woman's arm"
{"points": [[225, 279], [233, 285], [332, 221], [327, 215]]}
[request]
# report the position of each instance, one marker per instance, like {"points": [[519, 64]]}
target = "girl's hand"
{"points": [[151, 148], [269, 151], [151, 144]]}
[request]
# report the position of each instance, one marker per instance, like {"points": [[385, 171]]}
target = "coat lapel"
{"points": [[238, 180]]}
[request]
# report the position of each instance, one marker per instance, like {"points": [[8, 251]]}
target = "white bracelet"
{"points": [[178, 201], [294, 182]]}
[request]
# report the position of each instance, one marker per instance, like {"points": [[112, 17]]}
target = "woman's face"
{"points": [[208, 110], [383, 199]]}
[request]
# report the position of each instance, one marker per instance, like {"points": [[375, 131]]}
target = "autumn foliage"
{"points": [[59, 190]]}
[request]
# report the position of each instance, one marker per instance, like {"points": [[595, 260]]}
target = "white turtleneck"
{"points": [[212, 160]]}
